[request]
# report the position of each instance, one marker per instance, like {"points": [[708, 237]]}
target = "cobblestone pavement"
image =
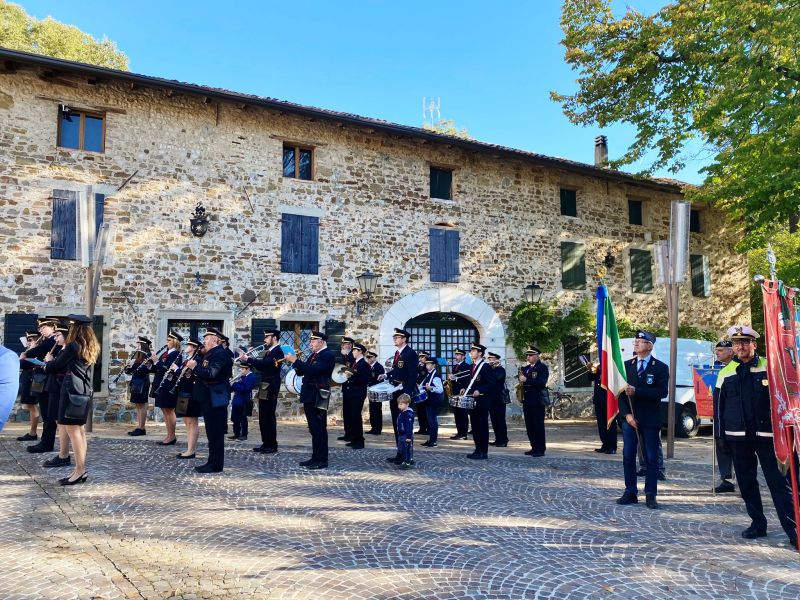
{"points": [[148, 526]]}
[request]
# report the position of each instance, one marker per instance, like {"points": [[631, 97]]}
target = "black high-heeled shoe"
{"points": [[81, 479], [182, 457]]}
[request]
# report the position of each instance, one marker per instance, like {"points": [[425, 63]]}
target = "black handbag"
{"points": [[38, 380], [544, 396], [77, 406], [182, 405], [323, 400]]}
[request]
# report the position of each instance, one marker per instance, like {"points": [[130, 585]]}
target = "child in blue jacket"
{"points": [[405, 431], [242, 396]]}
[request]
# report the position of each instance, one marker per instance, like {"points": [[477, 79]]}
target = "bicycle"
{"points": [[560, 405]]}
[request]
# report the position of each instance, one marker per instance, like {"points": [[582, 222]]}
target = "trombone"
{"points": [[249, 353], [586, 367]]}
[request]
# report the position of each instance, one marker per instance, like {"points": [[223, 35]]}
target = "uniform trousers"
{"points": [[461, 416], [724, 460], [480, 425], [48, 413], [376, 417], [608, 434], [497, 412], [352, 410], [239, 420], [267, 424], [747, 454], [423, 421], [431, 409], [405, 447], [318, 426], [651, 441], [216, 420], [534, 425]]}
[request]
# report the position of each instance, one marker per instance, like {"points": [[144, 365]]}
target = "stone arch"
{"points": [[444, 299]]}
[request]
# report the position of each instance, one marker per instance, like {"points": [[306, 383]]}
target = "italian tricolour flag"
{"points": [[612, 369]]}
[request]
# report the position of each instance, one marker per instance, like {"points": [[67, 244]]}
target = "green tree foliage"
{"points": [[786, 247], [546, 326], [19, 31], [448, 127], [725, 72]]}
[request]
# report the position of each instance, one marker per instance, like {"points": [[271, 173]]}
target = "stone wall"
{"points": [[370, 191]]}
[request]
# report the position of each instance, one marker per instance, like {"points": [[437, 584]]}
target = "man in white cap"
{"points": [[745, 417]]}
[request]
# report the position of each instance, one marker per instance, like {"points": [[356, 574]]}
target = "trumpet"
{"points": [[249, 353], [297, 353]]}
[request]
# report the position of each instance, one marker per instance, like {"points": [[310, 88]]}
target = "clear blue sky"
{"points": [[492, 64]]}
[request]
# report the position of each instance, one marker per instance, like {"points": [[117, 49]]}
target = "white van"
{"points": [[690, 352]]}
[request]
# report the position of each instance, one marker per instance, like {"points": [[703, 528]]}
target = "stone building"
{"points": [[301, 201]]}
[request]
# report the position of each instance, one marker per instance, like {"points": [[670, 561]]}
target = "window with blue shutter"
{"points": [[444, 252], [99, 208], [299, 244], [641, 271], [573, 266], [701, 282], [64, 227]]}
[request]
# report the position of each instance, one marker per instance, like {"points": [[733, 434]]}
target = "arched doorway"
{"points": [[441, 333]]}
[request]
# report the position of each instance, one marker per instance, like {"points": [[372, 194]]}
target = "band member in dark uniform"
{"points": [[28, 401], [80, 350], [165, 400], [139, 370], [346, 358], [242, 404], [640, 407], [39, 378], [404, 372], [316, 372], [422, 414], [607, 433], [375, 408], [434, 390], [479, 385], [213, 376], [354, 393], [533, 377], [460, 415], [497, 406], [745, 417], [269, 366], [186, 396]]}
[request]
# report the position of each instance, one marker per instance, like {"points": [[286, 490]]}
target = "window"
{"points": [[296, 334], [569, 203], [193, 328], [297, 162], [299, 244], [635, 212], [81, 130], [441, 183], [701, 281], [444, 247], [573, 266], [641, 271], [64, 225], [694, 221], [441, 334], [99, 209]]}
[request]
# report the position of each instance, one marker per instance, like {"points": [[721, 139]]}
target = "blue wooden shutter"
{"points": [[451, 247], [16, 324], [99, 209], [335, 331], [290, 243], [310, 245], [63, 240], [437, 254]]}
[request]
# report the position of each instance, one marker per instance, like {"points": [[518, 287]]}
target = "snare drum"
{"points": [[382, 392], [421, 397], [467, 402], [293, 382]]}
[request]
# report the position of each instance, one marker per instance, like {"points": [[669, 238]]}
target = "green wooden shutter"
{"points": [[573, 265], [641, 271]]}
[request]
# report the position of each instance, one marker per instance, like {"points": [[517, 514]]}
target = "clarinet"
{"points": [[185, 372], [128, 364]]}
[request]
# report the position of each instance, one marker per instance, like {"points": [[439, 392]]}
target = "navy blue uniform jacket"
{"points": [[405, 370], [651, 387], [316, 372], [214, 369], [537, 376], [356, 386], [266, 365]]}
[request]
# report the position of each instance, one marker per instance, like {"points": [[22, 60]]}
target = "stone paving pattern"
{"points": [[148, 526]]}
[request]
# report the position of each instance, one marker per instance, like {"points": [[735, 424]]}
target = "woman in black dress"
{"points": [[165, 400], [139, 370], [27, 400], [76, 359], [185, 396]]}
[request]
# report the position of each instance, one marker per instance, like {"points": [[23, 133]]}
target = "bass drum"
{"points": [[293, 382]]}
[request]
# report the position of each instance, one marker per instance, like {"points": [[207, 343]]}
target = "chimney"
{"points": [[600, 151]]}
